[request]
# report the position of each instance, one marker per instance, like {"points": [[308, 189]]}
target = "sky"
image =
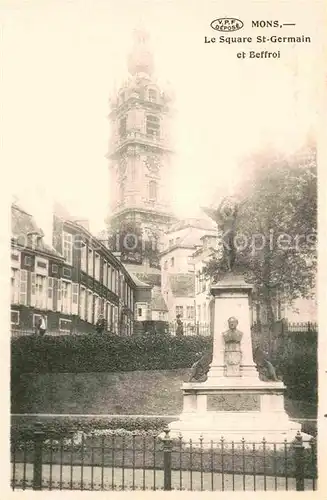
{"points": [[62, 59]]}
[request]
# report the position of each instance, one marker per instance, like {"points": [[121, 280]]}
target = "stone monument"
{"points": [[232, 401]]}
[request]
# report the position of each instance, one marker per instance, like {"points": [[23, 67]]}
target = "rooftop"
{"points": [[23, 226]]}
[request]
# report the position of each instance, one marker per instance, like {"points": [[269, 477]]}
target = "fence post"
{"points": [[39, 436], [167, 460], [299, 461]]}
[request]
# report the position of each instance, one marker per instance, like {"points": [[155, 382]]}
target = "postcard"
{"points": [[163, 163]]}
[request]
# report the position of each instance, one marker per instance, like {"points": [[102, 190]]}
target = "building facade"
{"points": [[72, 283], [204, 301], [103, 284], [36, 271], [178, 270], [140, 166]]}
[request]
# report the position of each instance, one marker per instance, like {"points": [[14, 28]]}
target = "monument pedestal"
{"points": [[234, 411], [237, 406]]}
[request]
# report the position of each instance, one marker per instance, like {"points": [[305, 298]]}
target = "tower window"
{"points": [[122, 192], [152, 95], [122, 127], [152, 190], [153, 126]]}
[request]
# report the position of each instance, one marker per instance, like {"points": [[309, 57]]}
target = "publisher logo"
{"points": [[227, 24]]}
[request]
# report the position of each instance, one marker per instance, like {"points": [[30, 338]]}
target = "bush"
{"points": [[109, 353], [23, 427], [300, 375]]}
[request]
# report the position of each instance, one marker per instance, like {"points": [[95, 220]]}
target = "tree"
{"points": [[276, 229]]}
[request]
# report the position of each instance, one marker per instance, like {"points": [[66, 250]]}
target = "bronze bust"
{"points": [[233, 353]]}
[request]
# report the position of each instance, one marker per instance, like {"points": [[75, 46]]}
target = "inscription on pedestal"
{"points": [[233, 402]]}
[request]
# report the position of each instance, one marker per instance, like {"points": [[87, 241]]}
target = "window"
{"points": [[180, 311], [122, 127], [54, 268], [66, 306], [152, 95], [105, 274], [97, 266], [41, 292], [65, 325], [166, 264], [66, 272], [37, 317], [15, 257], [117, 282], [27, 261], [75, 298], [152, 190], [109, 316], [109, 277], [115, 319], [172, 262], [50, 293], [132, 300], [89, 306], [83, 258], [152, 126], [90, 263], [15, 288], [59, 294], [82, 303], [14, 317], [97, 308], [68, 247], [190, 312], [139, 311]]}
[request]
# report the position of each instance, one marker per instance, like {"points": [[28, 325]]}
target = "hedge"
{"points": [[109, 353], [23, 427], [300, 375]]}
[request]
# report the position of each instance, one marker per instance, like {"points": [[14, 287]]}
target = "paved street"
{"points": [[148, 479]]}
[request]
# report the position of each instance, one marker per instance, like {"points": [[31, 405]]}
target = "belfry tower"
{"points": [[140, 165]]}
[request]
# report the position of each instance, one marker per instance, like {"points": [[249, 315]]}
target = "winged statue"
{"points": [[225, 216]]}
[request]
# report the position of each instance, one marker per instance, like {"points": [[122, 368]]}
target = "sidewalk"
{"points": [[98, 479]]}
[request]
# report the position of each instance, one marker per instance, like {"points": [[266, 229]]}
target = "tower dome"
{"points": [[140, 59]]}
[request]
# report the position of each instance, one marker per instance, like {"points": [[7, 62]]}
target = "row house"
{"points": [[35, 275], [71, 283], [103, 284]]}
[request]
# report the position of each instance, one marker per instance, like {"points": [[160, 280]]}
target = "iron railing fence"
{"points": [[144, 461], [281, 328], [191, 328], [188, 329]]}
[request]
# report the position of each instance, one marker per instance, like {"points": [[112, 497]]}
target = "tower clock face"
{"points": [[153, 164]]}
